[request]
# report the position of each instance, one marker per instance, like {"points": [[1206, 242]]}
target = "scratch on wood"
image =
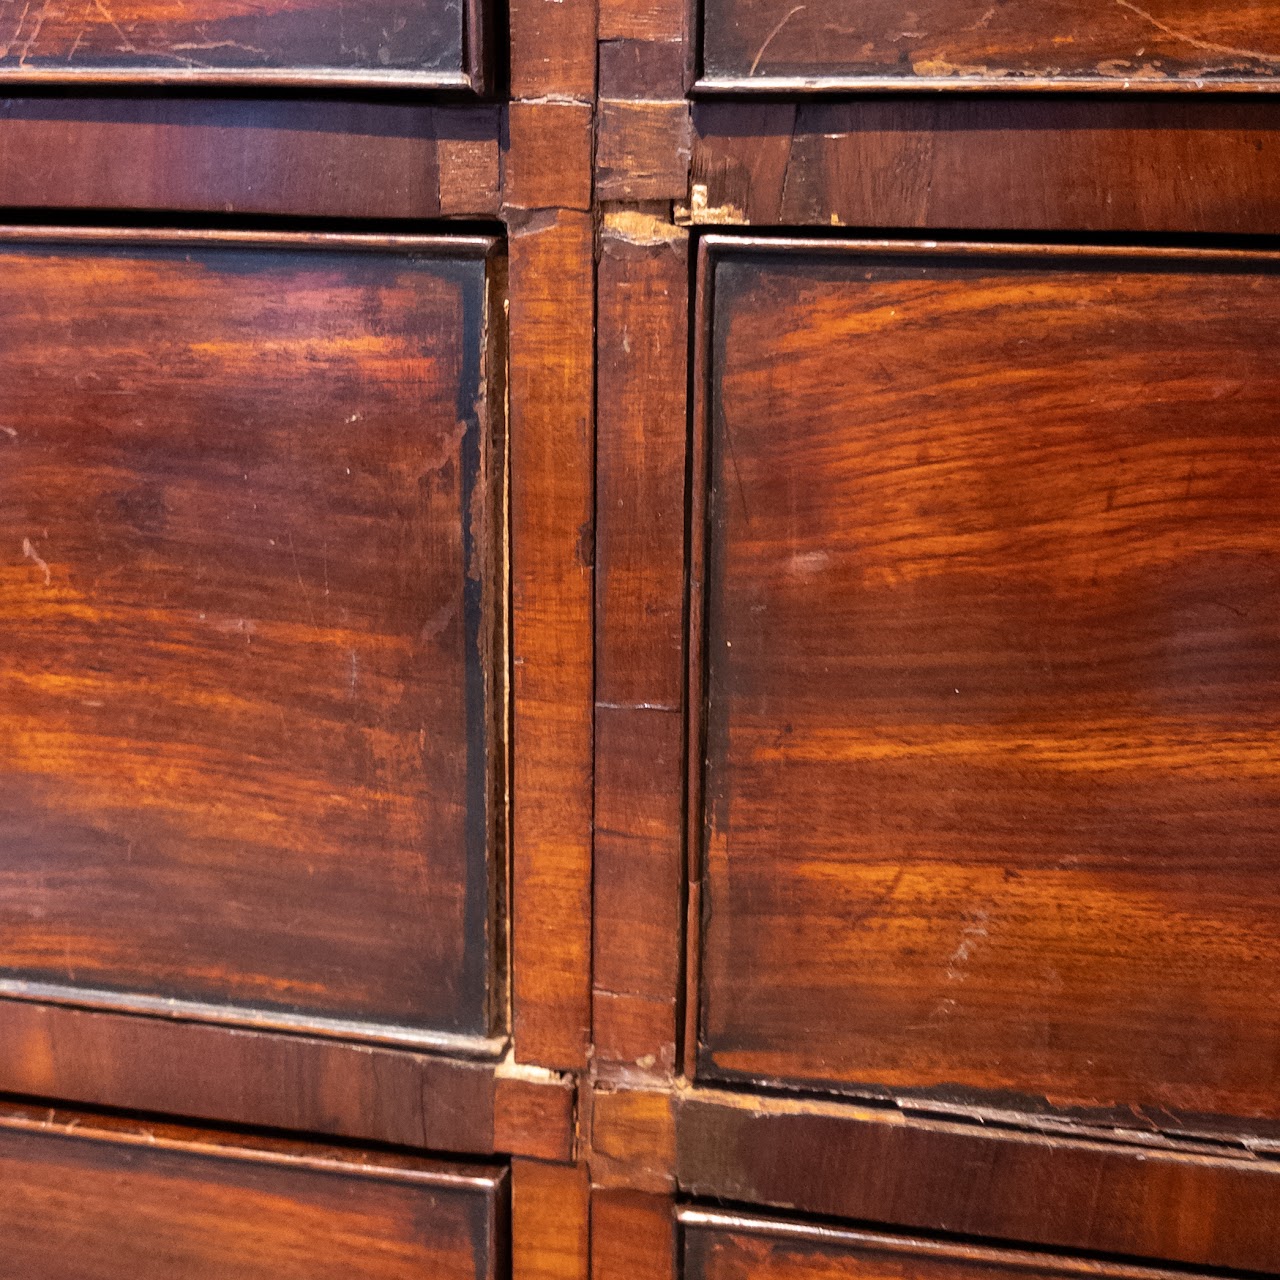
{"points": [[1206, 46], [29, 552], [769, 39]]}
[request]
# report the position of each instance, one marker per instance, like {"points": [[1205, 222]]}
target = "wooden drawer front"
{"points": [[720, 1246], [992, 649], [251, 711], [825, 44], [83, 1202], [426, 43]]}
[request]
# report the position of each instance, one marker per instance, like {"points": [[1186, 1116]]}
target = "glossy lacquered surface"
{"points": [[991, 662], [970, 43], [432, 43], [91, 1199], [250, 684]]}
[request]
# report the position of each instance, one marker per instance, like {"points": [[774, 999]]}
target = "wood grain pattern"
{"points": [[550, 1221], [825, 44], [633, 1235], [553, 49], [642, 352], [548, 157], [552, 445], [722, 1246], [535, 1113], [1159, 1200], [304, 158], [223, 1075], [88, 1200], [991, 656], [252, 719], [1049, 164], [422, 44], [633, 1139], [642, 150]]}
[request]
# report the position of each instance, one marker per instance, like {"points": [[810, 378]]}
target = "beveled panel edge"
{"points": [[479, 1048], [853, 246], [702, 85], [436, 245], [277, 78], [1029, 1116], [805, 86]]}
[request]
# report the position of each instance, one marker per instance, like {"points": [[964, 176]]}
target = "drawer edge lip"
{"points": [[736, 85], [720, 243], [443, 1171], [472, 1047], [761, 1225], [462, 81]]}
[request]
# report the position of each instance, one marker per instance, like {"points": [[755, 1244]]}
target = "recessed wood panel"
{"points": [[992, 675], [721, 1246], [251, 697], [87, 1199], [422, 43], [824, 44]]}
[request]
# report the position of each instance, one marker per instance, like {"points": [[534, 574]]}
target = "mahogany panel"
{"points": [[420, 44], [306, 158], [775, 45], [992, 676], [1042, 164], [723, 1246], [1167, 1199], [253, 734], [86, 1199]]}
